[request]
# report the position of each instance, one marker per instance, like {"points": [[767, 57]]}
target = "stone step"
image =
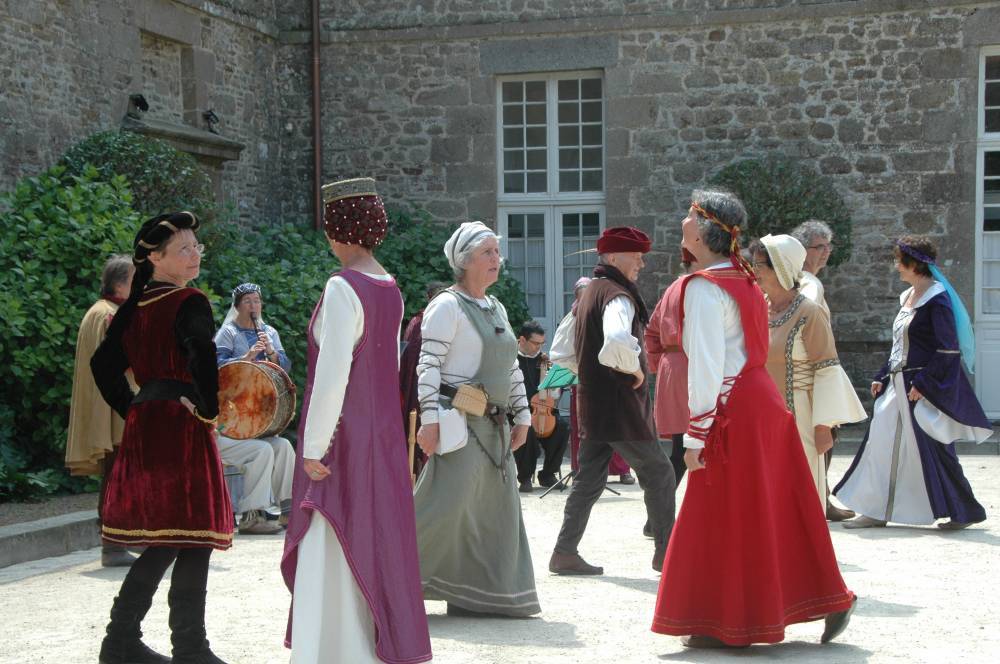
{"points": [[53, 536]]}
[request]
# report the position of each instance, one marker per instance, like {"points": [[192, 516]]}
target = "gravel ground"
{"points": [[926, 596], [54, 506]]}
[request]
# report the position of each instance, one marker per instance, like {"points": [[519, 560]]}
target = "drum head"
{"points": [[247, 399]]}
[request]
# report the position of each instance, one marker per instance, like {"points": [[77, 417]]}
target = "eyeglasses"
{"points": [[758, 264], [190, 250], [824, 246]]}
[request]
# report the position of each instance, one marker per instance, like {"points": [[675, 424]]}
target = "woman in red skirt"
{"points": [[166, 491], [750, 552]]}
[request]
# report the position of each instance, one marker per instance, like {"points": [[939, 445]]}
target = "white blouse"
{"points": [[339, 326], [451, 352], [620, 350], [812, 287], [713, 342]]}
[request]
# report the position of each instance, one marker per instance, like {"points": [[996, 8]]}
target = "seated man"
{"points": [[531, 359], [267, 463]]}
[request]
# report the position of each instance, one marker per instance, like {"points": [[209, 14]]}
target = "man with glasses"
{"points": [[817, 237], [532, 360]]}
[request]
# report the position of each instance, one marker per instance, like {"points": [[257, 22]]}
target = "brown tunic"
{"points": [[610, 409]]}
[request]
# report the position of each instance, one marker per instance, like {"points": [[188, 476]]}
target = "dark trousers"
{"points": [[677, 458], [553, 447], [656, 477]]}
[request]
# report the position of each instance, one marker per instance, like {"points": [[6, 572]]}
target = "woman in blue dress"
{"points": [[906, 470]]}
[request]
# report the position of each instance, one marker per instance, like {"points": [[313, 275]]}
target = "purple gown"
{"points": [[368, 499]]}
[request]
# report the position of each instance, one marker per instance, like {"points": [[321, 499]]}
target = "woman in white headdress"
{"points": [[470, 533], [802, 358]]}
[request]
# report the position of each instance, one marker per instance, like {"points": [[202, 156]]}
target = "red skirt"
{"points": [[750, 552], [166, 486]]}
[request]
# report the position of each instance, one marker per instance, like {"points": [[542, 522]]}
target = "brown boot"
{"points": [[571, 564], [834, 513]]}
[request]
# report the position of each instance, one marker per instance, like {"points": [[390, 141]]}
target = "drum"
{"points": [[256, 400]]}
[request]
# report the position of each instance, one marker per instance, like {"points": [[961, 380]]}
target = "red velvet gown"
{"points": [[750, 552], [166, 487]]}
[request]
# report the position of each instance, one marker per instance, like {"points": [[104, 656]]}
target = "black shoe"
{"points": [[525, 487], [187, 628], [123, 643], [647, 530], [546, 480], [626, 478], [836, 623], [658, 555]]}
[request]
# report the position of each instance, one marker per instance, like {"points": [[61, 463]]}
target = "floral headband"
{"points": [[913, 253], [735, 255]]}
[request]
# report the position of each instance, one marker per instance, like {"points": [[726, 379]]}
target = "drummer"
{"points": [[267, 463]]}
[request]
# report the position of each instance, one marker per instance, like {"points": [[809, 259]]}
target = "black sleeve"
{"points": [[194, 328], [109, 363]]}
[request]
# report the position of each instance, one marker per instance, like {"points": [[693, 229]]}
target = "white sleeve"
{"points": [[620, 350], [563, 351], [438, 330], [704, 341], [337, 330]]}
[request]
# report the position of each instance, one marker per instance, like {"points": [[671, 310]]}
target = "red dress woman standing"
{"points": [[166, 490]]}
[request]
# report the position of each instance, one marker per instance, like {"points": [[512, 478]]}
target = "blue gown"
{"points": [[907, 470]]}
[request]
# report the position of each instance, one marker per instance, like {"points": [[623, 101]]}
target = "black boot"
{"points": [[123, 643], [187, 628]]}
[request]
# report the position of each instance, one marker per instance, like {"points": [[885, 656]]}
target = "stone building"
{"points": [[554, 118]]}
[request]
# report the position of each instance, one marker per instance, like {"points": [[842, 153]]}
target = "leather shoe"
{"points": [[647, 530], [658, 555], [546, 480], [836, 623], [571, 564], [864, 522], [953, 525], [834, 513], [626, 478], [700, 641], [525, 487], [254, 523]]}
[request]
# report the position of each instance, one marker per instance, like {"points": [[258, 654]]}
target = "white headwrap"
{"points": [[787, 256], [468, 235]]}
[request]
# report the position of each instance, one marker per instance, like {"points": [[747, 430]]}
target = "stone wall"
{"points": [[878, 96], [69, 67]]}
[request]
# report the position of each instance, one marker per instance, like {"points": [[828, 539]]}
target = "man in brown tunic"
{"points": [[613, 402]]}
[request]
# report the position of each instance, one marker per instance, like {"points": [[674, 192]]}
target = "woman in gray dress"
{"points": [[470, 533]]}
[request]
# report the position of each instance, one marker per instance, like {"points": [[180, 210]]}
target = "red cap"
{"points": [[623, 239]]}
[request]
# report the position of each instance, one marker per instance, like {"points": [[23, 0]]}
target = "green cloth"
{"points": [[470, 532], [558, 377]]}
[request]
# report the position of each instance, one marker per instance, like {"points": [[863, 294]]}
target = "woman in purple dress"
{"points": [[350, 556], [907, 470]]}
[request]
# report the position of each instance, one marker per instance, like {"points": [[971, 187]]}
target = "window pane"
{"points": [[991, 246], [991, 163], [569, 136], [513, 160], [536, 225], [515, 253], [535, 114], [569, 158], [591, 224], [993, 120], [570, 275], [513, 115], [592, 134], [536, 159], [590, 88], [593, 181], [993, 67], [569, 181], [993, 94], [513, 183], [570, 247], [591, 111], [991, 301], [992, 185], [515, 225], [571, 225], [536, 254], [569, 89], [592, 158], [535, 137], [513, 91], [513, 138], [569, 112], [991, 198], [534, 91], [991, 274], [537, 182], [536, 306]]}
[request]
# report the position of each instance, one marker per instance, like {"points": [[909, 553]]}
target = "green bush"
{"points": [[56, 231], [162, 178], [780, 193]]}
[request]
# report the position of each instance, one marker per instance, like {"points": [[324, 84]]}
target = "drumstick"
{"points": [[412, 442]]}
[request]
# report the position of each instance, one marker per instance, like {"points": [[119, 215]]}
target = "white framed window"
{"points": [[550, 183], [987, 275]]}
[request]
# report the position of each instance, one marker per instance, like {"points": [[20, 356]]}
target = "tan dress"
{"points": [[94, 428], [803, 362]]}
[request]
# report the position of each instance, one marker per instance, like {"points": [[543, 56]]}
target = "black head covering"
{"points": [[157, 230]]}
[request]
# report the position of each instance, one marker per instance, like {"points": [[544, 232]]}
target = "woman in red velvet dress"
{"points": [[166, 491], [750, 553]]}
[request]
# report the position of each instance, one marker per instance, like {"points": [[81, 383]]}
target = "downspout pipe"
{"points": [[316, 121]]}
